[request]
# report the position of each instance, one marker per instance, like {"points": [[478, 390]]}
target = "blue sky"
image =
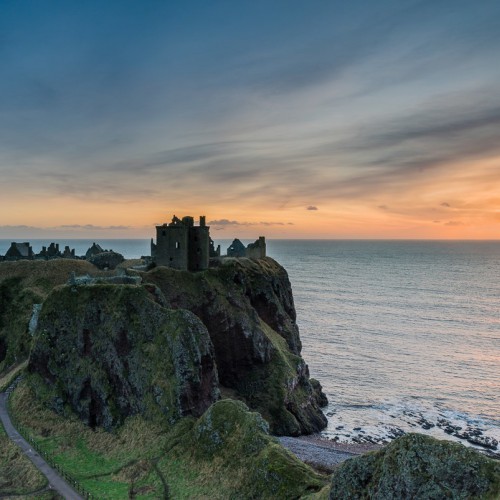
{"points": [[385, 116]]}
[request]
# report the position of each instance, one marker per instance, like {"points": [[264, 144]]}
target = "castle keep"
{"points": [[182, 245]]}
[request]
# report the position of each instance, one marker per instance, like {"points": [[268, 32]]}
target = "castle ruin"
{"points": [[182, 245]]}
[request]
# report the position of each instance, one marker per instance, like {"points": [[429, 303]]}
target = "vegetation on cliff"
{"points": [[18, 476], [23, 284], [106, 352]]}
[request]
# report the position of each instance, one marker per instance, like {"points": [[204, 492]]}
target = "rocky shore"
{"points": [[323, 454]]}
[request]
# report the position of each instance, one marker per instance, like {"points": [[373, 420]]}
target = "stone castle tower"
{"points": [[182, 245]]}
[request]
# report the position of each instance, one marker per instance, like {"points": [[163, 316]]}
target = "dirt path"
{"points": [[56, 482]]}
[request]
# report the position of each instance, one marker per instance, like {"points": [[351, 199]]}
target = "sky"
{"points": [[289, 119]]}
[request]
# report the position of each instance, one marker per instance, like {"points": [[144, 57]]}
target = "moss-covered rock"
{"points": [[419, 467], [231, 438], [247, 307], [23, 284], [110, 351]]}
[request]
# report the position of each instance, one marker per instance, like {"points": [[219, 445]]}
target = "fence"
{"points": [[27, 435]]}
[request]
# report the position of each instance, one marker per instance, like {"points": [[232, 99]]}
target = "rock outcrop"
{"points": [[106, 260], [419, 467], [229, 436], [23, 284], [111, 351], [247, 307]]}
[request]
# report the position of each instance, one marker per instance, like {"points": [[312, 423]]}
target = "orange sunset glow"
{"points": [[348, 129]]}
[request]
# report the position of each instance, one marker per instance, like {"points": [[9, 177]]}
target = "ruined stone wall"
{"points": [[257, 250], [172, 246], [198, 248]]}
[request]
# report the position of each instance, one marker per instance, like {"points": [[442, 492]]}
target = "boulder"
{"points": [[418, 467], [230, 437], [106, 260]]}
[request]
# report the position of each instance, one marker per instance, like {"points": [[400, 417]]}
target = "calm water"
{"points": [[394, 330]]}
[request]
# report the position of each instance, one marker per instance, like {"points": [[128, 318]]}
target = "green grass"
{"points": [[140, 457], [9, 376], [18, 475]]}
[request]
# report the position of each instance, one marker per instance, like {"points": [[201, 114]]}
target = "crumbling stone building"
{"points": [[19, 251], [255, 250], [182, 245]]}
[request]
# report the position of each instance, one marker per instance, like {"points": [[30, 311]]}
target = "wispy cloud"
{"points": [[91, 227], [225, 222]]}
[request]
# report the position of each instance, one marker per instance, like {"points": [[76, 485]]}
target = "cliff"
{"points": [[247, 307], [22, 285], [175, 367], [110, 351]]}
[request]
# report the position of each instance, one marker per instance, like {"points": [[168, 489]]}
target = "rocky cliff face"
{"points": [[163, 348], [110, 351], [247, 307], [23, 284]]}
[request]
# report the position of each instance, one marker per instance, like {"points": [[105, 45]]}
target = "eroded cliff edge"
{"points": [[166, 347]]}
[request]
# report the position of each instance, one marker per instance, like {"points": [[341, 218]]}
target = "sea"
{"points": [[404, 336]]}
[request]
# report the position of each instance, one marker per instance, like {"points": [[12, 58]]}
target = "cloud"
{"points": [[444, 204], [454, 223], [311, 207], [21, 226], [91, 227], [225, 222], [383, 207]]}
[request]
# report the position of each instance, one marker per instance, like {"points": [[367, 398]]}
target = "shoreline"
{"points": [[323, 454]]}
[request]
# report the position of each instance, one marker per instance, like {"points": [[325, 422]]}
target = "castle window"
{"points": [[163, 233], [177, 244]]}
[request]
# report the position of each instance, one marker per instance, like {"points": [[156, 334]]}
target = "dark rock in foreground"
{"points": [[418, 467], [110, 351]]}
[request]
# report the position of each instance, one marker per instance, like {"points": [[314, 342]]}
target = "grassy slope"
{"points": [[17, 474], [144, 460]]}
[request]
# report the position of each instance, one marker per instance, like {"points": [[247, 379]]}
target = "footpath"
{"points": [[56, 482]]}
